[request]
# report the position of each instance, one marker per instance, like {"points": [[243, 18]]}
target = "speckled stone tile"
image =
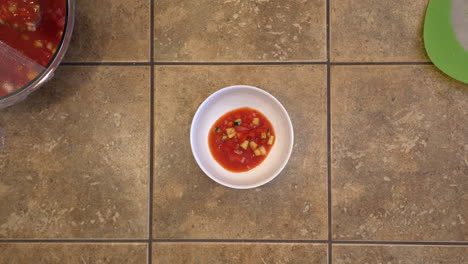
{"points": [[234, 30], [75, 161], [111, 30], [217, 253], [374, 30], [188, 204], [73, 253], [399, 154], [399, 254]]}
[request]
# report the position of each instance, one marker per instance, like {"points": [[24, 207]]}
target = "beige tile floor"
{"points": [[97, 168]]}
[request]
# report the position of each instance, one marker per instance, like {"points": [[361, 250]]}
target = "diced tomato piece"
{"points": [[235, 158], [243, 137], [231, 143], [241, 129], [61, 22]]}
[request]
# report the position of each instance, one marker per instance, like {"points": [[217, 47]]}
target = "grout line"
{"points": [[55, 241], [151, 31], [328, 32], [240, 241], [151, 168], [378, 63], [151, 139], [105, 63], [259, 241], [243, 63], [253, 63], [329, 223], [405, 243]]}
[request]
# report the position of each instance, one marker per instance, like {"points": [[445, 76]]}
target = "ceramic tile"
{"points": [[111, 30], [190, 205], [234, 30], [73, 253], [373, 30], [399, 254], [75, 161], [198, 253], [399, 154]]}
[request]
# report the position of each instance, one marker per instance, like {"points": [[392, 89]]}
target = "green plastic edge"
{"points": [[441, 43]]}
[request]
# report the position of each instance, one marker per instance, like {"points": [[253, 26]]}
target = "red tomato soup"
{"points": [[34, 28], [241, 139], [39, 44]]}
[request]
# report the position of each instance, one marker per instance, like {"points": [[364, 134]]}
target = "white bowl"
{"points": [[228, 99]]}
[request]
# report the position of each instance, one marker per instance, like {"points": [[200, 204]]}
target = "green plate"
{"points": [[441, 42]]}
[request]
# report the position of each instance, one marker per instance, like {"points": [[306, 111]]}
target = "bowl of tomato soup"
{"points": [[34, 36], [241, 137]]}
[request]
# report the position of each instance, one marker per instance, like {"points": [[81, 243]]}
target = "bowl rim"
{"points": [[282, 109], [49, 70]]}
